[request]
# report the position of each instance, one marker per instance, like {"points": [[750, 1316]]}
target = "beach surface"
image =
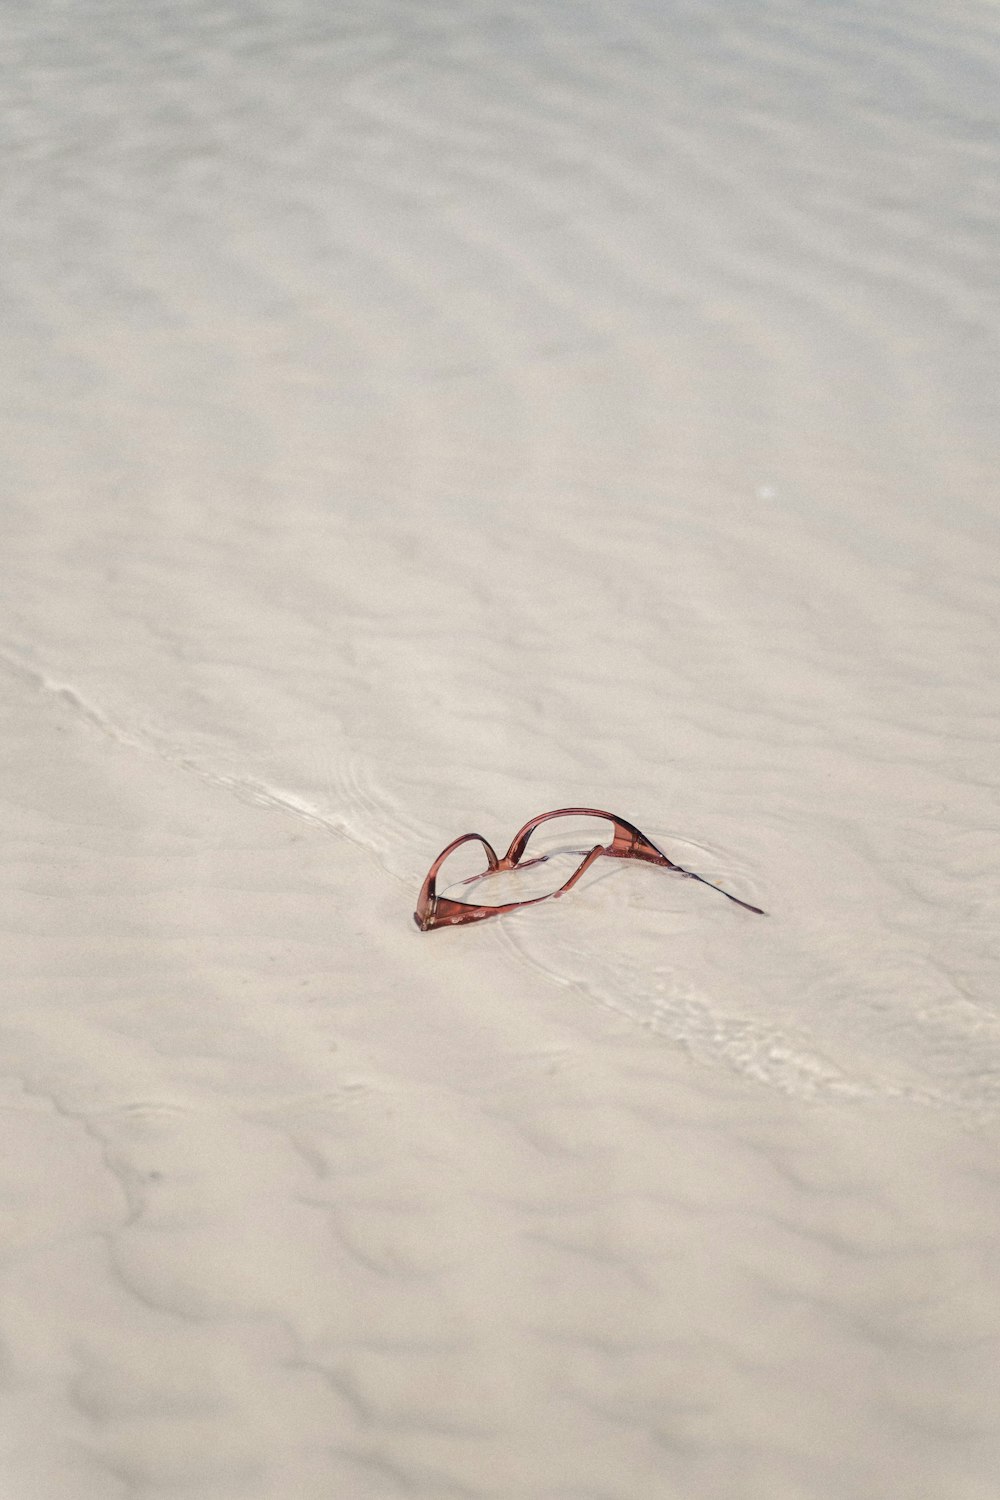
{"points": [[418, 417]]}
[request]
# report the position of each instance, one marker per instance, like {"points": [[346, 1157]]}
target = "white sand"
{"points": [[417, 417]]}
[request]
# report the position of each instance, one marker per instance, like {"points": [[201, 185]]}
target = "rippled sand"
{"points": [[417, 417]]}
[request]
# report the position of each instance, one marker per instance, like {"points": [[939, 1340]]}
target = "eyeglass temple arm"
{"points": [[648, 852], [630, 843], [713, 887]]}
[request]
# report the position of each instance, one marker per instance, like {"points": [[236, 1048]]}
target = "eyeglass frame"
{"points": [[627, 843]]}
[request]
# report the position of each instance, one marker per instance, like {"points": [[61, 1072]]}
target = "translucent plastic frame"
{"points": [[628, 843]]}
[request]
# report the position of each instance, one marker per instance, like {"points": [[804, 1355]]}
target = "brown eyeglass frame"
{"points": [[628, 843]]}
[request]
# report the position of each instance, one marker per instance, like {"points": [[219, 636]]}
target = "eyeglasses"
{"points": [[627, 843]]}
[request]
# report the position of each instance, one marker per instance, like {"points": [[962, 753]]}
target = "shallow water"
{"points": [[419, 417]]}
